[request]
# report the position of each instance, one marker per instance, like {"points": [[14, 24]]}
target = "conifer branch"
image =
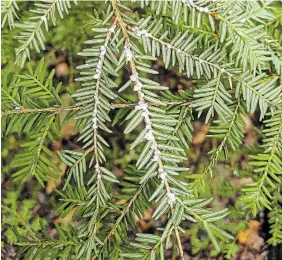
{"points": [[268, 164], [256, 88], [32, 234], [44, 244], [118, 221], [23, 51], [56, 110], [96, 96], [142, 103], [9, 9], [230, 134], [95, 120], [23, 110], [137, 32], [275, 217], [35, 163], [273, 149], [33, 36], [222, 46], [11, 98], [270, 100]]}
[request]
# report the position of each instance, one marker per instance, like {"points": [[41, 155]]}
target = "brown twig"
{"points": [[23, 110], [56, 110]]}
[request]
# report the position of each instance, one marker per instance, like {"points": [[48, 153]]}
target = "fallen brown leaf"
{"points": [[200, 136], [67, 130], [52, 182], [67, 219], [62, 69], [120, 202], [251, 237], [254, 225], [143, 224], [240, 182]]}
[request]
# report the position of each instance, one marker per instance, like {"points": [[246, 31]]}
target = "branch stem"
{"points": [[23, 110], [56, 110]]}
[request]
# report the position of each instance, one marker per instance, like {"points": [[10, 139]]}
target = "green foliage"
{"points": [[268, 164], [9, 8], [32, 35], [16, 215], [275, 219], [124, 116]]}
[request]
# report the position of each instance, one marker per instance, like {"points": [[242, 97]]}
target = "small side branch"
{"points": [[57, 110], [23, 110]]}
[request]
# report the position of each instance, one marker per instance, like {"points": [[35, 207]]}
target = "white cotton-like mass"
{"points": [[138, 107], [222, 70], [145, 113], [128, 54], [162, 174], [138, 32], [112, 29], [102, 54], [143, 32], [99, 64], [148, 126], [94, 120], [203, 9], [147, 120], [243, 20], [190, 2], [134, 76], [44, 19], [138, 86], [97, 166], [17, 108], [171, 197], [99, 177], [149, 136], [156, 156], [95, 126], [142, 106], [146, 117], [96, 76], [154, 146], [169, 46]]}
